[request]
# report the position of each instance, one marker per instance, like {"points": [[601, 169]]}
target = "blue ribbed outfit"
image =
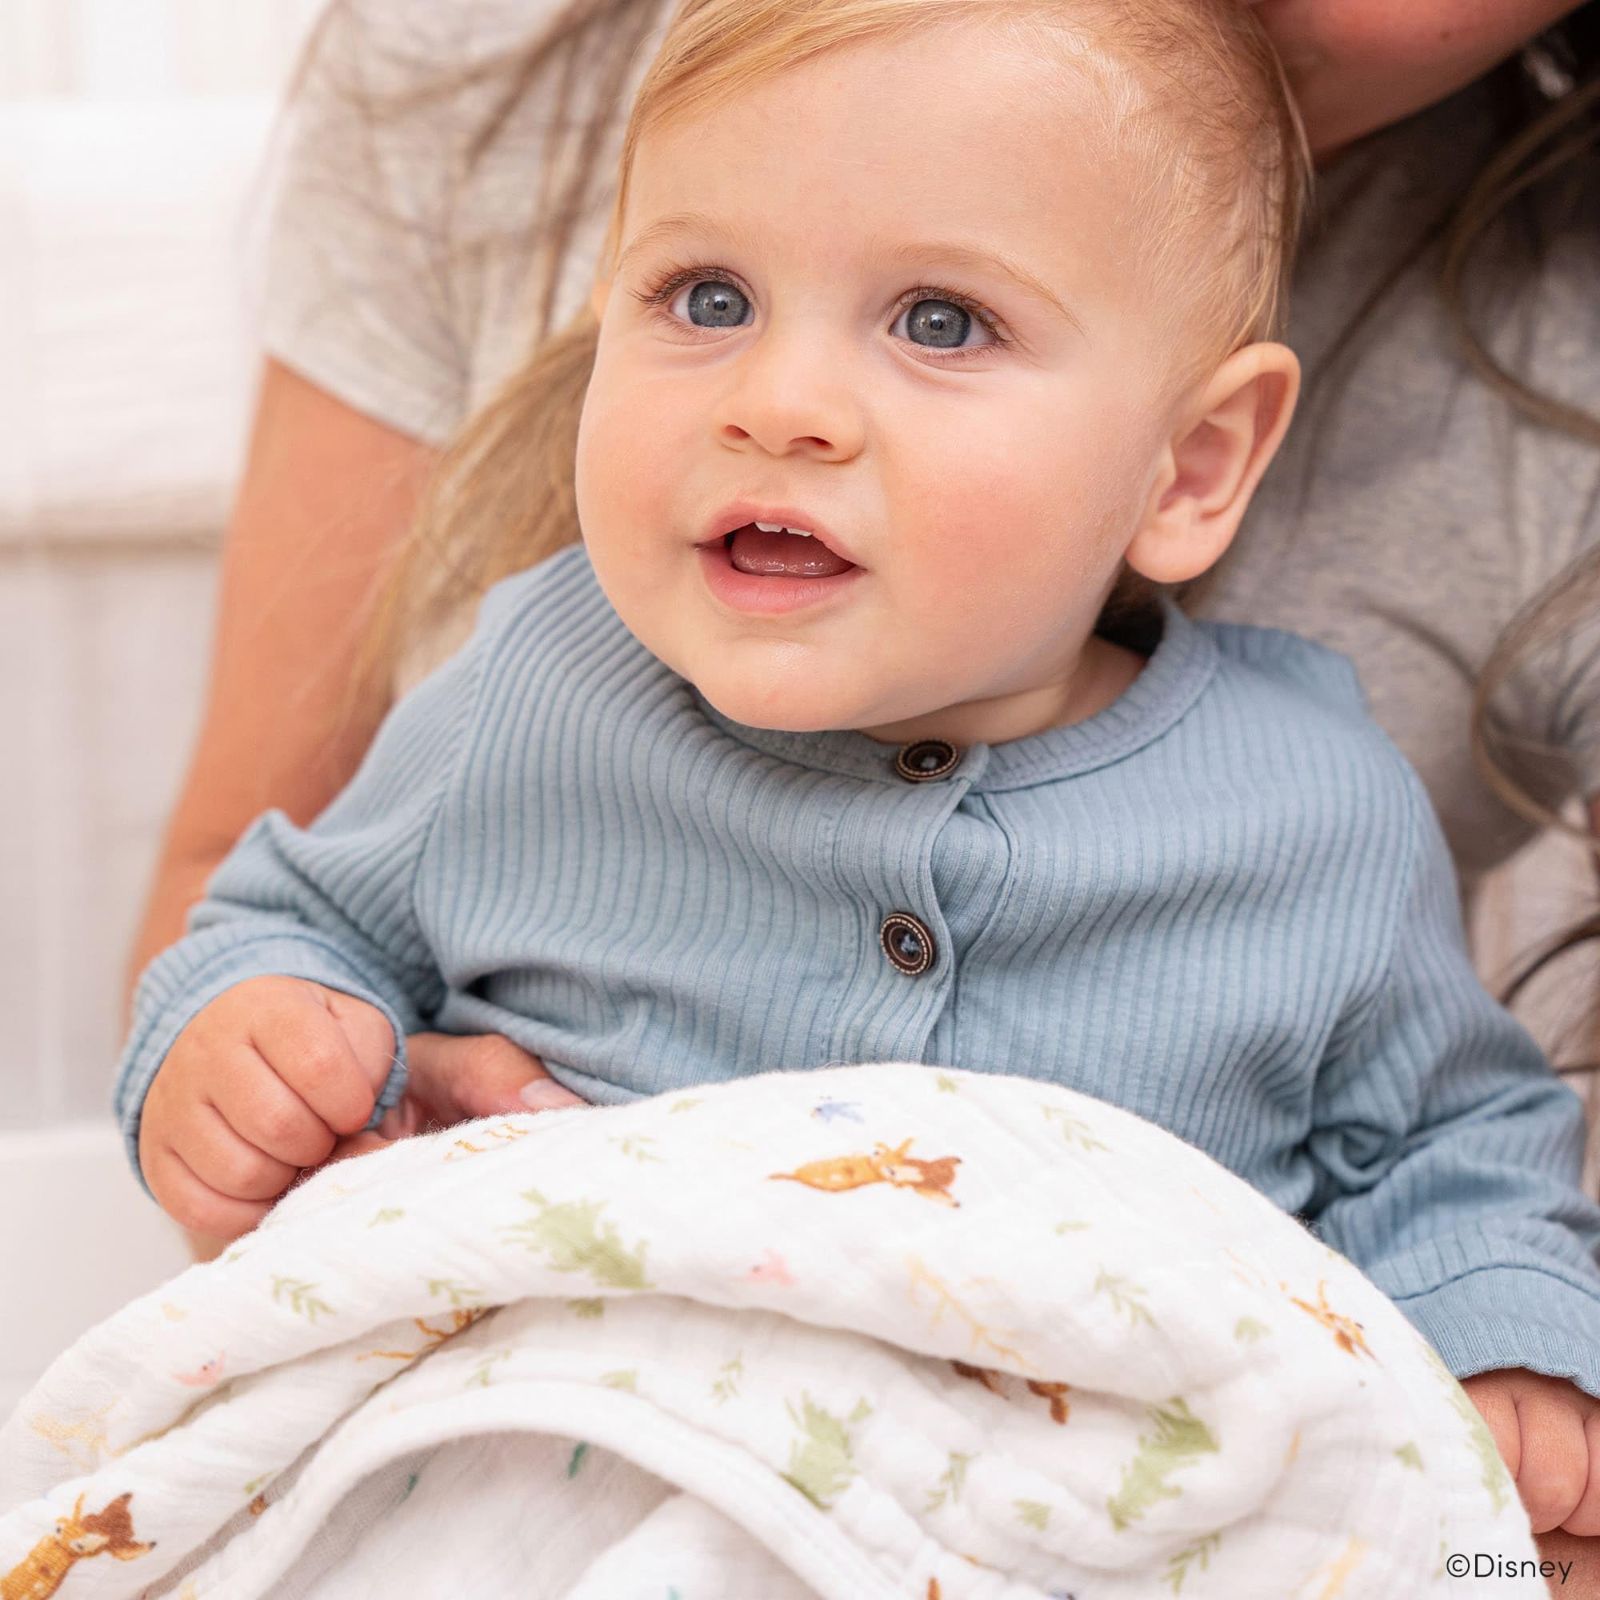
{"points": [[1222, 903]]}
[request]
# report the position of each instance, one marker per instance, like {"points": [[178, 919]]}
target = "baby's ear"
{"points": [[1212, 464]]}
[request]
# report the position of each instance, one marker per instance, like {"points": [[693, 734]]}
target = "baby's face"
{"points": [[839, 346]]}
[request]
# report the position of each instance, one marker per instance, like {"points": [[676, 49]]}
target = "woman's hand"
{"points": [[456, 1077], [1357, 65]]}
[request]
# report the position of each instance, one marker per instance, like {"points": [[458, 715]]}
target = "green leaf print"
{"points": [[387, 1214], [821, 1463], [727, 1386], [1199, 1552], [300, 1298], [951, 1481], [637, 1145], [1127, 1297], [947, 1084], [1495, 1478], [569, 1232], [1411, 1457], [587, 1310], [1073, 1129], [1179, 1440], [1033, 1514], [457, 1294], [1247, 1330], [479, 1378], [627, 1379], [577, 1460]]}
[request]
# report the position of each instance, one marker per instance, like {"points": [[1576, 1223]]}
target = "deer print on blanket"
{"points": [[904, 1171], [76, 1538]]}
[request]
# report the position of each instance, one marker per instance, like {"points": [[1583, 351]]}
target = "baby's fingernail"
{"points": [[544, 1095]]}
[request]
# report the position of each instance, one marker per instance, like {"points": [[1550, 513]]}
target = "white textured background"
{"points": [[132, 138]]}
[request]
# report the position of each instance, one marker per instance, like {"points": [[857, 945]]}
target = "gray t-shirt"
{"points": [[1410, 514]]}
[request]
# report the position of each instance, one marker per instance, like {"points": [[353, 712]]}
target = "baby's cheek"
{"points": [[613, 503]]}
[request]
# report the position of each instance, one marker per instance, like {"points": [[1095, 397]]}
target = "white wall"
{"points": [[131, 177], [148, 49], [131, 142]]}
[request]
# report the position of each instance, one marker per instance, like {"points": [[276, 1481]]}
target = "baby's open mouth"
{"points": [[768, 553]]}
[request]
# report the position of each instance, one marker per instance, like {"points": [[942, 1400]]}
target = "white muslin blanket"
{"points": [[860, 1333]]}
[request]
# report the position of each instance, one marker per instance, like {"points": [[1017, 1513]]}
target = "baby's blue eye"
{"points": [[721, 304], [944, 323]]}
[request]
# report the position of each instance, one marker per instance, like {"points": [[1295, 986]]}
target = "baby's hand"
{"points": [[1548, 1432], [455, 1077], [260, 1084]]}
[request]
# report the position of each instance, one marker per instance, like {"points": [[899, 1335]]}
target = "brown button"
{"points": [[926, 760], [907, 943]]}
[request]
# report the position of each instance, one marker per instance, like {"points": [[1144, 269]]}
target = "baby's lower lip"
{"points": [[765, 594]]}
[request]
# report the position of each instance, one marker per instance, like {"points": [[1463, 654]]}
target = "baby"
{"points": [[934, 344]]}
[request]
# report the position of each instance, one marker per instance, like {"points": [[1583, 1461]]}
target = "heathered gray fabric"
{"points": [[1412, 512], [1430, 518], [1222, 903]]}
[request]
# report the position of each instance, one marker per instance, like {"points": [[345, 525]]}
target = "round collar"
{"points": [[1173, 677]]}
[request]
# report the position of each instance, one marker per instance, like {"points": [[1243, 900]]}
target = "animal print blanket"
{"points": [[860, 1333]]}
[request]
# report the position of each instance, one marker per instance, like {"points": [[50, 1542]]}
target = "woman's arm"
{"points": [[326, 498], [325, 502]]}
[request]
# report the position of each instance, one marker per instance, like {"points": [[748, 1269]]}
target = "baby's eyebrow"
{"points": [[677, 222], [951, 252], [971, 259]]}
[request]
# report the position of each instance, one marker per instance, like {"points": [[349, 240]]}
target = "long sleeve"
{"points": [[1449, 1154], [333, 902]]}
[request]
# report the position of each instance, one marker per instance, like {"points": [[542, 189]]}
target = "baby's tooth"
{"points": [[778, 527]]}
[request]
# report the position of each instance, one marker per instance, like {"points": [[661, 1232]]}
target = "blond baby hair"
{"points": [[1192, 90]]}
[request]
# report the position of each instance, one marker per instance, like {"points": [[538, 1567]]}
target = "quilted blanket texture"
{"points": [[859, 1333]]}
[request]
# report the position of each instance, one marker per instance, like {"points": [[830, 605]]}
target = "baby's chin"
{"points": [[788, 703]]}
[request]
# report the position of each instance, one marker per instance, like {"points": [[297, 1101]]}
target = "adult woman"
{"points": [[1417, 514]]}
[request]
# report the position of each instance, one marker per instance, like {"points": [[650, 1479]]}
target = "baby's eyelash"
{"points": [[660, 290]]}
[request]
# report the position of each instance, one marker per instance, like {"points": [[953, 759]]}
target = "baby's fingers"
{"points": [[193, 1203], [1554, 1470], [225, 1161], [334, 1062], [1584, 1519], [1499, 1412], [263, 1109]]}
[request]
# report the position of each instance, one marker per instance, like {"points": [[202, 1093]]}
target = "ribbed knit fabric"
{"points": [[1223, 903]]}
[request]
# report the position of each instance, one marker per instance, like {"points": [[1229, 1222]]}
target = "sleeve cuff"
{"points": [[192, 991], [429, 413], [1500, 1317]]}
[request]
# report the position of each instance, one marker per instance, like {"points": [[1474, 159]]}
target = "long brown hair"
{"points": [[1547, 151]]}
